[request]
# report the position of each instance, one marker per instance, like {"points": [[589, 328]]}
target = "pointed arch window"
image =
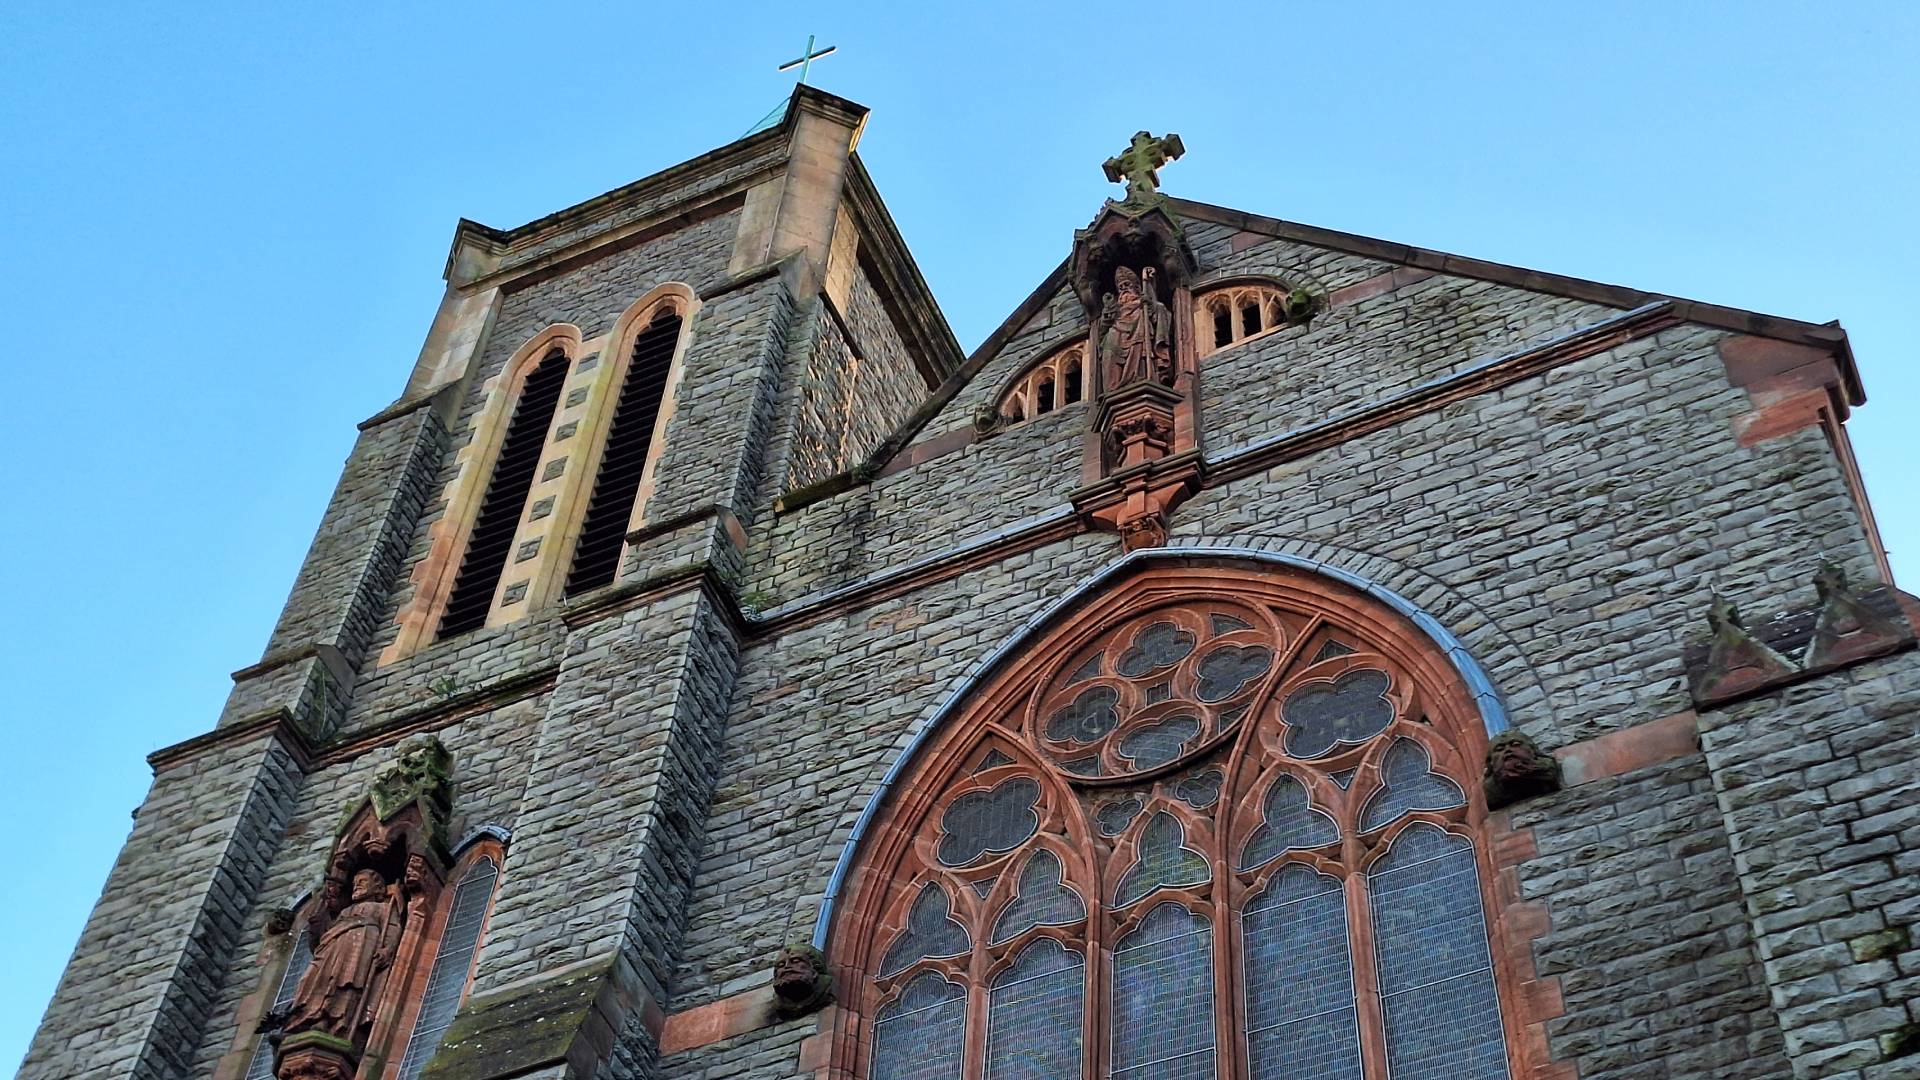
{"points": [[1052, 383], [260, 1065], [1215, 825], [1231, 314], [463, 919], [629, 443], [490, 542]]}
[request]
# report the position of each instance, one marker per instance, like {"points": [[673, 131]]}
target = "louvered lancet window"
{"points": [[596, 557], [506, 498], [452, 963], [1214, 825]]}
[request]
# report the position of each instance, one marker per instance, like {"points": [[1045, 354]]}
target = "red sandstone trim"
{"points": [[717, 1020], [1630, 749]]}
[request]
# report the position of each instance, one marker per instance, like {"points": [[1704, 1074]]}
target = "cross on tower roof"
{"points": [[806, 58], [1140, 161]]}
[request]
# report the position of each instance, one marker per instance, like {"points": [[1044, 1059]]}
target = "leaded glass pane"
{"points": [[1156, 744], [1041, 900], [998, 819], [1034, 1015], [922, 1034], [1298, 974], [260, 1066], [1347, 711], [1200, 790], [1115, 815], [1163, 998], [1435, 968], [1089, 717], [447, 981], [1289, 822], [1408, 784], [1228, 669], [930, 932], [1159, 645], [1164, 860]]}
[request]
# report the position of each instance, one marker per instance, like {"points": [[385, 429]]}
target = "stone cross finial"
{"points": [[1139, 163]]}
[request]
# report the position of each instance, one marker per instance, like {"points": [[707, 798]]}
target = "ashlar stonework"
{"points": [[1272, 652]]}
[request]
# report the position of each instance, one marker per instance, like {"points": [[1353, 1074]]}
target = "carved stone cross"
{"points": [[1139, 163]]}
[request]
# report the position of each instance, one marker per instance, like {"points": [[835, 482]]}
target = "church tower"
{"points": [[1272, 653]]}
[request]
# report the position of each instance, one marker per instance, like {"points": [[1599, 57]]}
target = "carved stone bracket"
{"points": [[801, 981], [1736, 661]]}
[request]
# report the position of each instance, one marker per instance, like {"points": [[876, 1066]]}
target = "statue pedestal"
{"points": [[314, 1055]]}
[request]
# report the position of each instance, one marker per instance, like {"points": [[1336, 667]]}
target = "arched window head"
{"points": [[489, 543], [647, 351], [1230, 314], [460, 925], [1052, 383], [1217, 821]]}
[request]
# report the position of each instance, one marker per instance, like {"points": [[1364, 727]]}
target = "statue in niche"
{"points": [[354, 945], [1136, 332]]}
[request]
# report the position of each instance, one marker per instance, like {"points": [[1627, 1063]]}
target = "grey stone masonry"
{"points": [[1819, 785], [1559, 475], [139, 991], [1649, 939], [613, 811]]}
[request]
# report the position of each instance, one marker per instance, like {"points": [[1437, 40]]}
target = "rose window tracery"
{"points": [[1214, 801]]}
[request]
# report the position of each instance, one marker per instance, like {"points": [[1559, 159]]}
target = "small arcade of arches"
{"points": [[1232, 314], [1220, 821], [1055, 381]]}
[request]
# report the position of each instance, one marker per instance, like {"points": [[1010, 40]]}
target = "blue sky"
{"points": [[223, 228]]}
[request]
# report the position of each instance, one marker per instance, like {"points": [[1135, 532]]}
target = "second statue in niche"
{"points": [[1136, 332]]}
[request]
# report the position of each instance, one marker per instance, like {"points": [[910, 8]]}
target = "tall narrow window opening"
{"points": [[603, 533], [506, 498], [260, 1066], [452, 964]]}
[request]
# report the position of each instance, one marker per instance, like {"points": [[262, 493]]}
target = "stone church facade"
{"points": [[1272, 653]]}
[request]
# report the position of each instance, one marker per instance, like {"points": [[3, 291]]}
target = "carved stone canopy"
{"points": [[1134, 237]]}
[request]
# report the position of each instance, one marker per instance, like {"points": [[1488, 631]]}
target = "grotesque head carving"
{"points": [[1518, 769], [801, 982]]}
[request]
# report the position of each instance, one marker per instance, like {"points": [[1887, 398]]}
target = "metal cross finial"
{"points": [[1139, 163], [804, 62], [807, 58]]}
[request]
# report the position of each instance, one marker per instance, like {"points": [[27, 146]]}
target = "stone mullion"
{"points": [[136, 999]]}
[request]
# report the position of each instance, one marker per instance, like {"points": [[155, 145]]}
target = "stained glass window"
{"points": [[1436, 973], [1163, 998], [922, 1036], [447, 982], [1034, 1015], [1301, 1018], [930, 931], [1209, 752], [260, 1066], [1041, 901], [1409, 784], [1164, 860]]}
